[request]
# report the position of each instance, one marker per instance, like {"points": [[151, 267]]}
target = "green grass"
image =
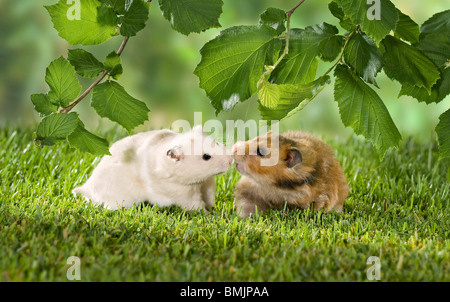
{"points": [[398, 210]]}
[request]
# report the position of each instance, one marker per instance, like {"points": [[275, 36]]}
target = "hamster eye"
{"points": [[206, 156], [261, 151]]}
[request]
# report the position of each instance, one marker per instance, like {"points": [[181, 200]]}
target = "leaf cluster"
{"points": [[269, 59], [92, 22], [246, 60]]}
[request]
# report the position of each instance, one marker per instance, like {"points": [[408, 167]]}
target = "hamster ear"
{"points": [[294, 157], [175, 153]]}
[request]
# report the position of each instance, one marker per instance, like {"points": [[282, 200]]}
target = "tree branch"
{"points": [[286, 47], [292, 10], [306, 102], [342, 53], [122, 46], [99, 79]]}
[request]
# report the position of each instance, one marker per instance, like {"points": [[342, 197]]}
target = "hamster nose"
{"points": [[227, 161]]}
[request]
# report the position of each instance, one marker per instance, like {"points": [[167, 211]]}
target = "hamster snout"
{"points": [[239, 150], [219, 161], [227, 161], [236, 146]]}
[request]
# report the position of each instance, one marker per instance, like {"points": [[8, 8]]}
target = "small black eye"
{"points": [[261, 151], [206, 156]]}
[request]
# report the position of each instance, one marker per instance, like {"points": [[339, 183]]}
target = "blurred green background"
{"points": [[159, 63]]}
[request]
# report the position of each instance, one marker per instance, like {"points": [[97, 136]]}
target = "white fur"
{"points": [[140, 169]]}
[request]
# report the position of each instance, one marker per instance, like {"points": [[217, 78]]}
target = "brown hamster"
{"points": [[304, 171]]}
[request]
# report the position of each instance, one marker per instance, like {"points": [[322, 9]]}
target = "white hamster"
{"points": [[162, 167]]}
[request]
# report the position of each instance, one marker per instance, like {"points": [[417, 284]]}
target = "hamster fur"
{"points": [[160, 167], [306, 172]]}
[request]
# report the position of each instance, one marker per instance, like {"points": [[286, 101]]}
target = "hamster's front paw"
{"points": [[327, 204], [246, 208]]}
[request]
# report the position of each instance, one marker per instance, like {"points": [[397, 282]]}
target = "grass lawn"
{"points": [[398, 210]]}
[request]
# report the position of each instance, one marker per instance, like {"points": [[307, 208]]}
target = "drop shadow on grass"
{"points": [[217, 213]]}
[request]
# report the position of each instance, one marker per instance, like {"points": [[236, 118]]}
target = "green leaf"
{"points": [[305, 45], [90, 29], [439, 22], [117, 5], [56, 126], [113, 65], [362, 109], [233, 62], [435, 39], [134, 18], [187, 16], [110, 100], [363, 56], [299, 66], [86, 65], [443, 133], [406, 29], [106, 16], [436, 47], [64, 85], [408, 65], [438, 92], [434, 43], [291, 98], [42, 104], [269, 94], [85, 141], [358, 11], [336, 10], [331, 47], [275, 18]]}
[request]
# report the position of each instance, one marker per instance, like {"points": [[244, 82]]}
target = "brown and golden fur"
{"points": [[307, 172]]}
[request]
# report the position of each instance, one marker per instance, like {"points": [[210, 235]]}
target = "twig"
{"points": [[342, 53], [292, 10], [286, 47], [307, 101], [84, 94], [99, 79], [122, 46]]}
